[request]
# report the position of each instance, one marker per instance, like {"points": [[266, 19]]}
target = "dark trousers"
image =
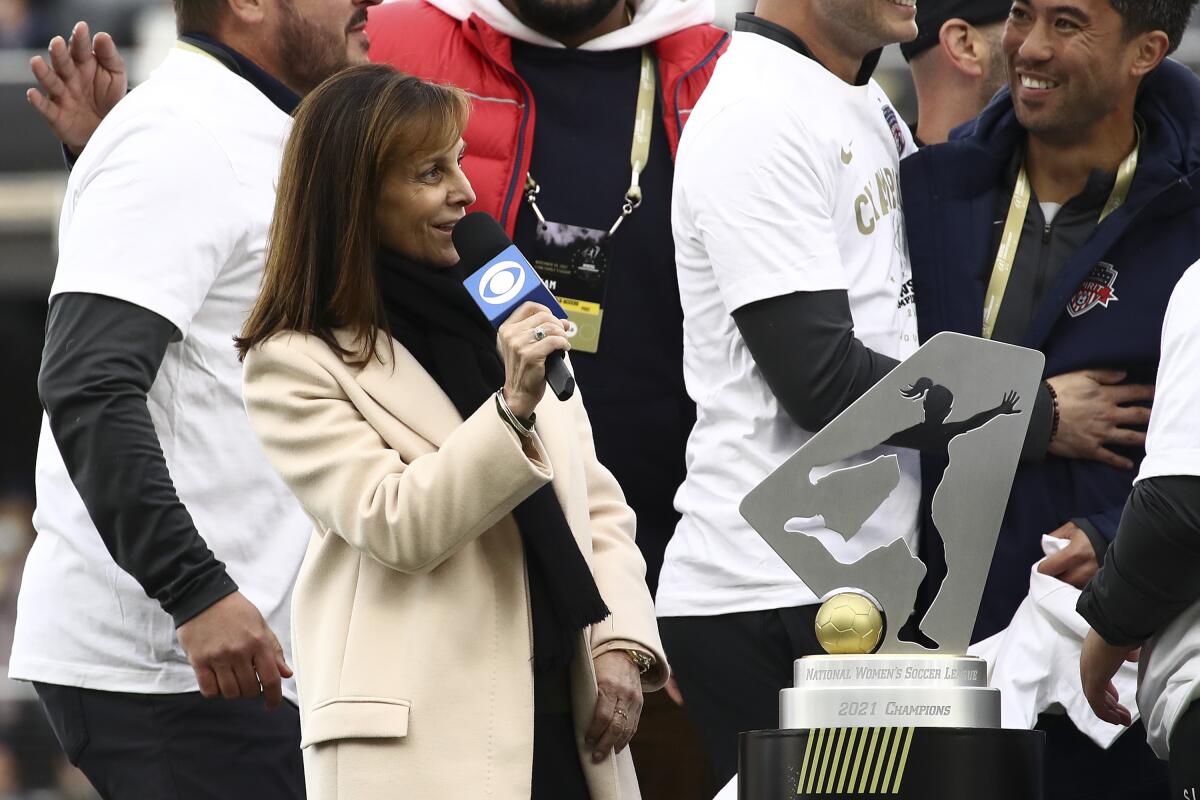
{"points": [[1185, 747], [731, 668], [1079, 769], [668, 755], [177, 746]]}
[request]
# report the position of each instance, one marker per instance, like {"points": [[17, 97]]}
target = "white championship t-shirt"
{"points": [[1169, 668], [787, 181], [168, 209]]}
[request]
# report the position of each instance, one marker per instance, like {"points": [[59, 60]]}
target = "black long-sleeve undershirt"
{"points": [[804, 343], [100, 360], [1151, 572]]}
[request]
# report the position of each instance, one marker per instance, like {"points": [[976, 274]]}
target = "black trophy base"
{"points": [[907, 763]]}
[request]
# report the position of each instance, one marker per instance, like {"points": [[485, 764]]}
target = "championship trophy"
{"points": [[896, 707]]}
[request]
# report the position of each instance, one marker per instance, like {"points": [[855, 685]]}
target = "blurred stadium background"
{"points": [[32, 178]]}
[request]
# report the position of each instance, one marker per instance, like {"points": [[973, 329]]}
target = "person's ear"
{"points": [[251, 12], [964, 47], [1149, 50]]}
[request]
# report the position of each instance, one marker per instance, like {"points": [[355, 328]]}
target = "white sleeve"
{"points": [[763, 206], [1173, 440], [153, 219]]}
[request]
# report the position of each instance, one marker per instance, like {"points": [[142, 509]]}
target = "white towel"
{"points": [[1034, 662]]}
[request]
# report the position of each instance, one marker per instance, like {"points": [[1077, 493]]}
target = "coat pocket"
{"points": [[356, 718]]}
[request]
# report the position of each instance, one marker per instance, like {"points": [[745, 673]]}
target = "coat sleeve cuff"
{"points": [[654, 678]]}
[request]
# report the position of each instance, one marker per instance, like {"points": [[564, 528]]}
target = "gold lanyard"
{"points": [[643, 129], [1007, 254]]}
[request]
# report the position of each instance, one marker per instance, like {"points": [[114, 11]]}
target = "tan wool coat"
{"points": [[411, 620]]}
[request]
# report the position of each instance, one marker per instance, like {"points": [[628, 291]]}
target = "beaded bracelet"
{"points": [[1054, 399]]}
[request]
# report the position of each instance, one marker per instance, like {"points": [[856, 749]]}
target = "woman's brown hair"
{"points": [[320, 272]]}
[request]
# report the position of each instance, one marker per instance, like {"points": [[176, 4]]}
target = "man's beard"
{"points": [[563, 19], [1066, 126], [309, 54], [858, 27]]}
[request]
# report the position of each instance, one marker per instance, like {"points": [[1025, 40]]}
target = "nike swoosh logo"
{"points": [[847, 155]]}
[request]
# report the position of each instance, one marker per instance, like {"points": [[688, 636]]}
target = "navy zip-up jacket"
{"points": [[951, 193]]}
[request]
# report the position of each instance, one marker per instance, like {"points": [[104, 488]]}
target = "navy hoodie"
{"points": [[1105, 309]]}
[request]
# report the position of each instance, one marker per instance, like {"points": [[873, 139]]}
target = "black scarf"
{"points": [[433, 316]]}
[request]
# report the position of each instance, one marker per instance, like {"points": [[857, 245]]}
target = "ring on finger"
{"points": [[621, 713], [539, 333]]}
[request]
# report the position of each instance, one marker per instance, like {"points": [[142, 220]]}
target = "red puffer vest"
{"points": [[415, 37]]}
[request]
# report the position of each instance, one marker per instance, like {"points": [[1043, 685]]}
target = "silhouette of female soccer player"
{"points": [[934, 436]]}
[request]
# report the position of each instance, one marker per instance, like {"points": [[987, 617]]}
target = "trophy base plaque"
{"points": [[939, 691], [908, 763], [925, 727]]}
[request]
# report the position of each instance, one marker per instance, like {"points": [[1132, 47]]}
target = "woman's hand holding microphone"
{"points": [[527, 338]]}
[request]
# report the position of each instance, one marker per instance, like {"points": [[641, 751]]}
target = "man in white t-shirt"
{"points": [[796, 290], [1148, 592], [167, 547]]}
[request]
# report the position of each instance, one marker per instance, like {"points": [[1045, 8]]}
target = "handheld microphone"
{"points": [[501, 280]]}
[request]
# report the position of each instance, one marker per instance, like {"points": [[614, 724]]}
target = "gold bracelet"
{"points": [[643, 661]]}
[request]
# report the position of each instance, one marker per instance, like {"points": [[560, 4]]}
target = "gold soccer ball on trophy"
{"points": [[849, 623]]}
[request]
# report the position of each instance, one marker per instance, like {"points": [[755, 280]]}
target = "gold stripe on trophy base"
{"points": [[878, 766]]}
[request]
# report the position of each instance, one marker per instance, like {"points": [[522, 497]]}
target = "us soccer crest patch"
{"points": [[1096, 290]]}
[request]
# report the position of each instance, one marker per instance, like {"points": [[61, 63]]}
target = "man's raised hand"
{"points": [[81, 82]]}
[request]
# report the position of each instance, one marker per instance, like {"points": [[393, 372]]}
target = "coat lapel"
{"points": [[402, 387], [396, 381]]}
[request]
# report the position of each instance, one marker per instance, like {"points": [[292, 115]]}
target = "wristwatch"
{"points": [[643, 661]]}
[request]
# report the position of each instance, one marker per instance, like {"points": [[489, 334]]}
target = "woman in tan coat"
{"points": [[471, 619]]}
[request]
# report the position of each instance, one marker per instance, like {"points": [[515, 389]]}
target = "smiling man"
{"points": [[1085, 168]]}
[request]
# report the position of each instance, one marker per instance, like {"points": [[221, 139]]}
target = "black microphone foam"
{"points": [[478, 239]]}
